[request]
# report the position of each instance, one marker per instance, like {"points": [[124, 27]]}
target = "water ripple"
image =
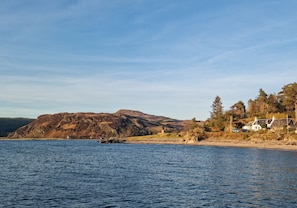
{"points": [[87, 174]]}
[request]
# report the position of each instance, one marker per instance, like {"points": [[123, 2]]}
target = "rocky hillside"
{"points": [[123, 123], [155, 124]]}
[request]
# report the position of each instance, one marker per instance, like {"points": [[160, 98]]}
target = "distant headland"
{"points": [[137, 127]]}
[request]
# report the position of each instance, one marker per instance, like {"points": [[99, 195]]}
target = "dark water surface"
{"points": [[84, 173]]}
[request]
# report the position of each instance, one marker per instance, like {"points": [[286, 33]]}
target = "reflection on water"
{"points": [[87, 174]]}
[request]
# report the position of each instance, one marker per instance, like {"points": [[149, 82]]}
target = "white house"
{"points": [[273, 123]]}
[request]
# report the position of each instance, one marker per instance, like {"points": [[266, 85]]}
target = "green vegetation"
{"points": [[217, 118], [157, 138], [218, 125], [127, 123], [283, 102], [279, 105]]}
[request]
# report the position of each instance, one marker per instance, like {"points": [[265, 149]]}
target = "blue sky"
{"points": [[166, 57]]}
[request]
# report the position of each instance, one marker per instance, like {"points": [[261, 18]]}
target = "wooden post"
{"points": [[295, 115], [295, 111], [231, 122], [287, 124]]}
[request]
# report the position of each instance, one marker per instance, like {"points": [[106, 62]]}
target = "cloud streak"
{"points": [[164, 57]]}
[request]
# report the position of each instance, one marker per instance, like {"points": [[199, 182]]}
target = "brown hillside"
{"points": [[142, 115], [96, 125], [155, 124]]}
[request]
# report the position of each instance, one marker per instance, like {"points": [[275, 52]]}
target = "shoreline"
{"points": [[247, 144], [219, 142], [277, 145]]}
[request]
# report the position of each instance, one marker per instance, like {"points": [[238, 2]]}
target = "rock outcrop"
{"points": [[111, 140], [123, 123]]}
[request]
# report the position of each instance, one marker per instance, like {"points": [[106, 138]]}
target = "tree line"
{"points": [[263, 106]]}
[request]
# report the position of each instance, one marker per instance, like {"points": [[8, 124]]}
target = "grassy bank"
{"points": [[251, 140], [156, 138]]}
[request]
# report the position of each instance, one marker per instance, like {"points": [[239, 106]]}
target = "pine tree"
{"points": [[217, 108], [216, 116], [262, 102], [288, 98]]}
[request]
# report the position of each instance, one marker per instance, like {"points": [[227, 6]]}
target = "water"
{"points": [[84, 173]]}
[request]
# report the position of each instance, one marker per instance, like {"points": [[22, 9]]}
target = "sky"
{"points": [[168, 57]]}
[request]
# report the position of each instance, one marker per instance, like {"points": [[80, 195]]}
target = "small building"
{"points": [[255, 125], [282, 123], [272, 124], [248, 126]]}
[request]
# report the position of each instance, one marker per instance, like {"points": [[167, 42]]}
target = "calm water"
{"points": [[88, 174]]}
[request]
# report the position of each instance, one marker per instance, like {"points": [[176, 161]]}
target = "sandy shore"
{"points": [[248, 144], [220, 142], [281, 145]]}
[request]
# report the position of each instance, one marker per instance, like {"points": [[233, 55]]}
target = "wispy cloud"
{"points": [[164, 57]]}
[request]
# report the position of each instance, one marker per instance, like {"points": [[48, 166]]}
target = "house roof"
{"points": [[282, 122]]}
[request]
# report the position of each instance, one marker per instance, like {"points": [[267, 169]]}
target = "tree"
{"points": [[259, 106], [251, 108], [262, 102], [274, 105], [288, 98], [283, 102], [238, 110], [216, 115], [217, 108]]}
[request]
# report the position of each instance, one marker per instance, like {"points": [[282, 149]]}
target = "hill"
{"points": [[8, 125], [155, 124], [123, 123], [145, 116]]}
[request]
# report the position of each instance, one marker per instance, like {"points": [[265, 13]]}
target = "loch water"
{"points": [[84, 173]]}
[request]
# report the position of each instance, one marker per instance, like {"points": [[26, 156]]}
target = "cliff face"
{"points": [[93, 125]]}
